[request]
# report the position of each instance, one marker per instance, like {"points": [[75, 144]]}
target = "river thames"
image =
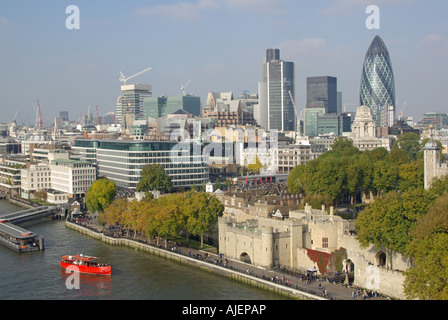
{"points": [[135, 275]]}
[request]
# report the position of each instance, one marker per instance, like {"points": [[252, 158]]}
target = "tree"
{"points": [[296, 180], [154, 178], [342, 147], [439, 186], [256, 167], [428, 278], [168, 216], [41, 195], [411, 175], [100, 195], [385, 177], [389, 222], [408, 142], [113, 214], [217, 185], [201, 212]]}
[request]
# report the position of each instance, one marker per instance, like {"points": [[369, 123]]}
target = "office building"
{"points": [[339, 102], [276, 109], [228, 111], [34, 178], [435, 120], [310, 121], [123, 160], [73, 177], [322, 93], [130, 103], [63, 115], [377, 89], [158, 107], [333, 123]]}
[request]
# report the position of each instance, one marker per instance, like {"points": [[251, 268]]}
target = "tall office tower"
{"points": [[377, 83], [276, 109], [339, 104], [63, 115], [322, 92], [130, 103]]}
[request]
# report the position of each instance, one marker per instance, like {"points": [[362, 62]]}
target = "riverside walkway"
{"points": [[322, 289]]}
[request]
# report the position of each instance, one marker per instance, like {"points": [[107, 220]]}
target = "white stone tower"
{"points": [[432, 162]]}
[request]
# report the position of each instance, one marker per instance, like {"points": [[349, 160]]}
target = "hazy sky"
{"points": [[217, 44]]}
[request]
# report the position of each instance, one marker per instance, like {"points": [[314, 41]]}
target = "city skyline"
{"points": [[217, 44]]}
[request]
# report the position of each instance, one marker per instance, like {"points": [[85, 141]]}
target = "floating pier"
{"points": [[19, 239]]}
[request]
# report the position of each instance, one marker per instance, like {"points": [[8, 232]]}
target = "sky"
{"points": [[217, 44]]}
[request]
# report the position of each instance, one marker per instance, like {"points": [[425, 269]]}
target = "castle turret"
{"points": [[432, 162]]}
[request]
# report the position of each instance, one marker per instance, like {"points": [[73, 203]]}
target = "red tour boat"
{"points": [[85, 264]]}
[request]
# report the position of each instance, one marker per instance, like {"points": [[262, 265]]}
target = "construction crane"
{"points": [[401, 113], [15, 116], [295, 109], [125, 79], [184, 87], [294, 104], [78, 121], [97, 116]]}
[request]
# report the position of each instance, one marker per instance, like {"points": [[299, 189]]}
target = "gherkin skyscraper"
{"points": [[377, 84]]}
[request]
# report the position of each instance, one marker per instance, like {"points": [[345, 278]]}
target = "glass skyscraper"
{"points": [[276, 107], [377, 83], [322, 92]]}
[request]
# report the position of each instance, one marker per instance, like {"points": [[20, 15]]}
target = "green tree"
{"points": [[342, 147], [428, 278], [410, 143], [154, 178], [385, 177], [439, 186], [296, 180], [411, 175], [100, 195], [217, 185], [389, 222]]}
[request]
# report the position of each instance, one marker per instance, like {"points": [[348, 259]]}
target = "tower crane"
{"points": [[15, 116], [295, 109], [125, 79], [184, 86], [97, 116], [401, 114]]}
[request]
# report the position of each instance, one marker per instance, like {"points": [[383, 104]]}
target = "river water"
{"points": [[135, 275]]}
